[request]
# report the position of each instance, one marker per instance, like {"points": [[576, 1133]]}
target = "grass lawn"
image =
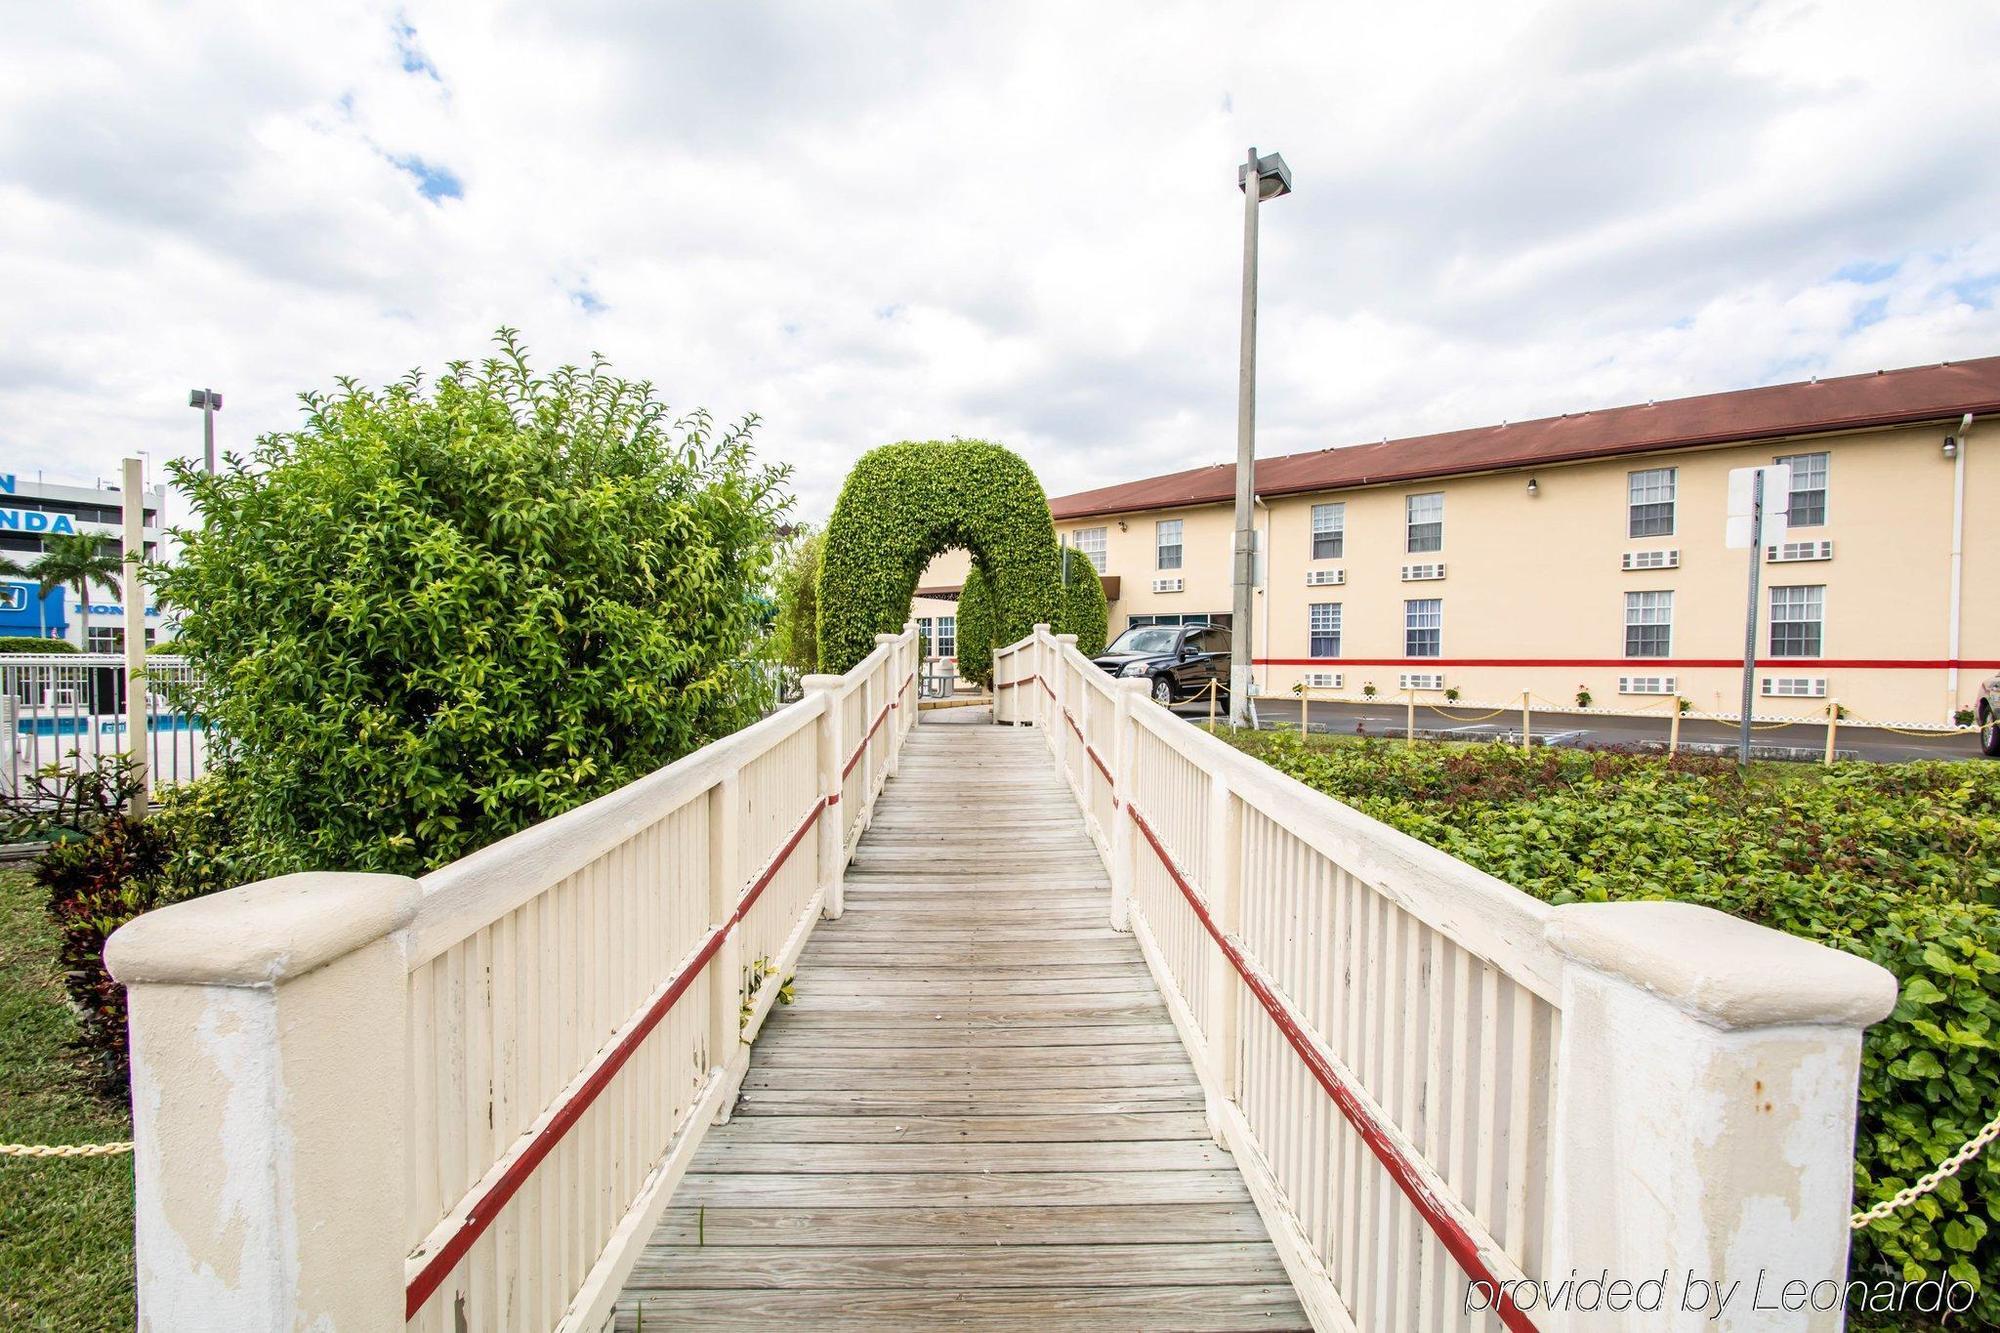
{"points": [[65, 1224]]}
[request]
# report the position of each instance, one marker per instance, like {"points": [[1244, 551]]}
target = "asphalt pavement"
{"points": [[1802, 741]]}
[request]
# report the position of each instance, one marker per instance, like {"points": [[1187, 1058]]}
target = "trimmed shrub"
{"points": [[1084, 612], [795, 632], [902, 505], [975, 629], [31, 644], [1899, 863], [432, 617]]}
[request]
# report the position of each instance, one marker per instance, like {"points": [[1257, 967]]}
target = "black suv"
{"points": [[1180, 660]]}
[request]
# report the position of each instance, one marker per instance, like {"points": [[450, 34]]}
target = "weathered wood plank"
{"points": [[931, 1266], [912, 1158], [1152, 1126], [1093, 1309], [1137, 1224]]}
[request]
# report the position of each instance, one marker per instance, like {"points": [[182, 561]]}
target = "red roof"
{"points": [[1851, 402]]}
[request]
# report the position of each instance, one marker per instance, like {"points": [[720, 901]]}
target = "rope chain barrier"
{"points": [[64, 1149], [1903, 1198]]}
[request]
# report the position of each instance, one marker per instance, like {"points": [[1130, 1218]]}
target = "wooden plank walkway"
{"points": [[977, 1113]]}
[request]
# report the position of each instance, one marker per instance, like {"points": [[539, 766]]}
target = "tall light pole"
{"points": [[1274, 180], [210, 402]]}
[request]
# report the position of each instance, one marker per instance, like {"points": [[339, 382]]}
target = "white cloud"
{"points": [[872, 222]]}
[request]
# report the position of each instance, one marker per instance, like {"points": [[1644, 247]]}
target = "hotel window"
{"points": [[1323, 629], [1423, 627], [1090, 541], [1329, 531], [945, 642], [1806, 507], [1423, 519], [1167, 544], [1650, 497], [1798, 616], [1649, 624]]}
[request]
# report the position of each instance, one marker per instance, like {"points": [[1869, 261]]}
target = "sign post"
{"points": [[1756, 520], [135, 629]]}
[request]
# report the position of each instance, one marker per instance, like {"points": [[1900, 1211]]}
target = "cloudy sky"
{"points": [[870, 222]]}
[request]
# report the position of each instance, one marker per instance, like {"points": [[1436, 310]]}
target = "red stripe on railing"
{"points": [[1070, 718], [432, 1275], [1097, 759], [897, 702], [862, 748], [1045, 685], [1449, 1230]]}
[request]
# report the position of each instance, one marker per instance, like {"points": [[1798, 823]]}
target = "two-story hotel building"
{"points": [[1587, 552]]}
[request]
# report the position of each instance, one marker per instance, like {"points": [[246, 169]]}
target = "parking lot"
{"points": [[1802, 741]]}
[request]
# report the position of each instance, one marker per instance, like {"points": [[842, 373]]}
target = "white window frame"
{"points": [[1821, 459], [1161, 530], [1091, 542], [944, 642], [1652, 488], [1323, 621], [1419, 511], [1649, 609], [1329, 522], [1809, 597], [1423, 615]]}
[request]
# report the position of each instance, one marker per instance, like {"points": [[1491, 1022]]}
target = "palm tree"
{"points": [[77, 562]]}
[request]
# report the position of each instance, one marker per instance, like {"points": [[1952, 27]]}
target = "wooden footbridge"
{"points": [[1083, 1019]]}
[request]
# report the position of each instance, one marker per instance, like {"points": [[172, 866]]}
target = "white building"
{"points": [[30, 512]]}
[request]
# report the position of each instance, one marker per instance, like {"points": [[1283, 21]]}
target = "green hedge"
{"points": [[975, 629], [902, 505], [1084, 613], [1897, 863], [32, 644]]}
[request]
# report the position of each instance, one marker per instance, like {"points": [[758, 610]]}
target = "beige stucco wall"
{"points": [[1536, 583]]}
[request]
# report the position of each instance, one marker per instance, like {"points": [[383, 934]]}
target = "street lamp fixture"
{"points": [[210, 402], [1274, 181], [1274, 178]]}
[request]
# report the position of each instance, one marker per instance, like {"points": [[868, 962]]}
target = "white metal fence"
{"points": [[1440, 1089], [464, 1101], [69, 709]]}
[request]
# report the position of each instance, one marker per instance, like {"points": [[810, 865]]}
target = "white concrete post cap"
{"points": [[1727, 972], [262, 933], [1069, 639], [814, 684], [887, 638]]}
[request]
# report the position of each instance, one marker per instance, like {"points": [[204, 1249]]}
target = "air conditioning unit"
{"points": [[1645, 684], [1794, 687], [1421, 573], [1663, 558], [1322, 680], [1791, 551], [1321, 578], [1167, 585], [1419, 681]]}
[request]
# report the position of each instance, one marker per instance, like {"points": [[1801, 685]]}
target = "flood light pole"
{"points": [[210, 402], [1274, 180]]}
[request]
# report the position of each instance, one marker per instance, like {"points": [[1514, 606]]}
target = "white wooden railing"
{"points": [[1440, 1089], [68, 710], [464, 1100]]}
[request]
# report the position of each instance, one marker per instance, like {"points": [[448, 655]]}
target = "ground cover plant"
{"points": [[1899, 863]]}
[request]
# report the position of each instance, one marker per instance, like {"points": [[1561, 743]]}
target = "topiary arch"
{"points": [[1084, 612], [905, 503]]}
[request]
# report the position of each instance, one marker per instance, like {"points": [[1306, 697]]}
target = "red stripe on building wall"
{"points": [[1459, 1242], [482, 1213], [1643, 663]]}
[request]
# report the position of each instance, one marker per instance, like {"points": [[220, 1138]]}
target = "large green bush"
{"points": [[903, 504], [32, 644], [431, 617], [1896, 863]]}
